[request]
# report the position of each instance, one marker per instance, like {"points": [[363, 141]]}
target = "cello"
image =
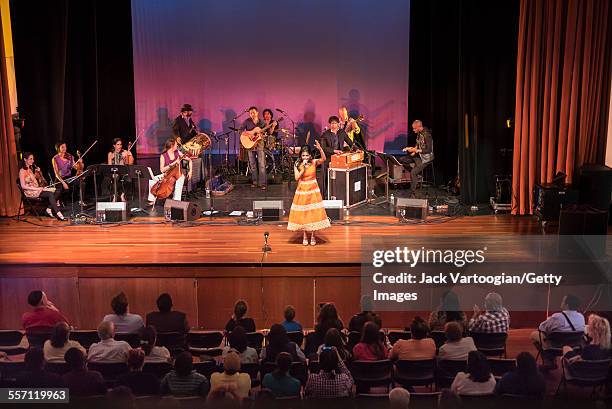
{"points": [[164, 187]]}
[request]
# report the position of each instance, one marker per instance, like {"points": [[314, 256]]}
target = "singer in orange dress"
{"points": [[307, 210]]}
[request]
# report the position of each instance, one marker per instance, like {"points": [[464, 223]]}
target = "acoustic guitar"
{"points": [[250, 139]]}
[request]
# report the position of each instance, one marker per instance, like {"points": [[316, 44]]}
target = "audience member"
{"points": [[125, 323], [568, 319], [141, 383], [43, 315], [56, 347], [279, 381], [494, 319], [183, 380], [334, 380], [457, 347], [80, 380], [598, 347], [366, 315], [290, 324], [333, 338], [167, 320], [231, 375], [371, 346], [239, 318], [108, 349], [327, 318], [449, 310], [399, 398], [278, 342], [449, 400], [526, 380], [153, 353], [238, 341], [121, 397], [418, 347], [478, 380], [35, 376]]}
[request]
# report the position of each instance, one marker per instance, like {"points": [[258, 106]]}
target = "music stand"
{"points": [[137, 172], [385, 157], [114, 172]]}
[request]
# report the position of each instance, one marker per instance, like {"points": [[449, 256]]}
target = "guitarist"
{"points": [[257, 156], [420, 155]]}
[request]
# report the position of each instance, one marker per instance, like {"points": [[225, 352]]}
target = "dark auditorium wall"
{"points": [[73, 65], [463, 63]]}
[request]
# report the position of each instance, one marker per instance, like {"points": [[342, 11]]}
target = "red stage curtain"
{"points": [[562, 91], [9, 193]]}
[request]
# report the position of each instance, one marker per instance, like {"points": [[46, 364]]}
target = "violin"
{"points": [[79, 165], [42, 182]]}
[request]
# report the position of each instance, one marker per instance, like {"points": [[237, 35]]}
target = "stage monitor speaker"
{"points": [[411, 208], [334, 209], [550, 199], [268, 210], [181, 211], [596, 186], [111, 212]]}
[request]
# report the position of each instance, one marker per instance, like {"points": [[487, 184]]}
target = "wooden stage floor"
{"points": [[206, 267], [153, 241]]}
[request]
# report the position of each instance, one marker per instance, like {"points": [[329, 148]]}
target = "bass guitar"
{"points": [[250, 139]]}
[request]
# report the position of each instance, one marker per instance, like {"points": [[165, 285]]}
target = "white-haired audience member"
{"points": [[108, 349], [399, 398]]}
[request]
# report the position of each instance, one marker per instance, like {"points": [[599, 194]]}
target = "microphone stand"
{"points": [[237, 152], [210, 177]]}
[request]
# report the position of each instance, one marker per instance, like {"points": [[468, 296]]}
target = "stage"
{"points": [[206, 265]]}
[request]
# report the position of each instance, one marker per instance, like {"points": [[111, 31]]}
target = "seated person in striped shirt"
{"points": [[183, 380], [494, 319], [333, 380]]}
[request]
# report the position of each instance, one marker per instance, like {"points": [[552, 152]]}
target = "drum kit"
{"points": [[280, 152]]}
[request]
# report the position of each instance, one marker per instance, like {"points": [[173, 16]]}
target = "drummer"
{"points": [[272, 132]]}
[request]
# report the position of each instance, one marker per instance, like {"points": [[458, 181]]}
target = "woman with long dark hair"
{"points": [[278, 342], [31, 179], [448, 310], [307, 211], [478, 380], [526, 380], [371, 346], [55, 348]]}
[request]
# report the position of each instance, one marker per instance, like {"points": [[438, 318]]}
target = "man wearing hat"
{"points": [[183, 125]]}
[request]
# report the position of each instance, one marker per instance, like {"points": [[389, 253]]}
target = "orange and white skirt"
{"points": [[307, 210]]}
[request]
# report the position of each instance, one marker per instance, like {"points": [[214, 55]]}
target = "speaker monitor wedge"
{"points": [[111, 212], [181, 211], [411, 208], [334, 209], [268, 210]]}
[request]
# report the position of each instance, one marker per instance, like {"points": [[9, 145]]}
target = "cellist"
{"points": [[168, 159]]}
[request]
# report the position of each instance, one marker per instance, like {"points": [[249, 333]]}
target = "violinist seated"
{"points": [[34, 185], [119, 156], [63, 163], [170, 158]]}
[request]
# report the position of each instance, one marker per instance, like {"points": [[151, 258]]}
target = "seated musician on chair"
{"points": [[119, 156], [32, 183], [420, 155], [168, 159]]}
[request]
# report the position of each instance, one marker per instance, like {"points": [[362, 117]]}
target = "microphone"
{"points": [[266, 248], [280, 110]]}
